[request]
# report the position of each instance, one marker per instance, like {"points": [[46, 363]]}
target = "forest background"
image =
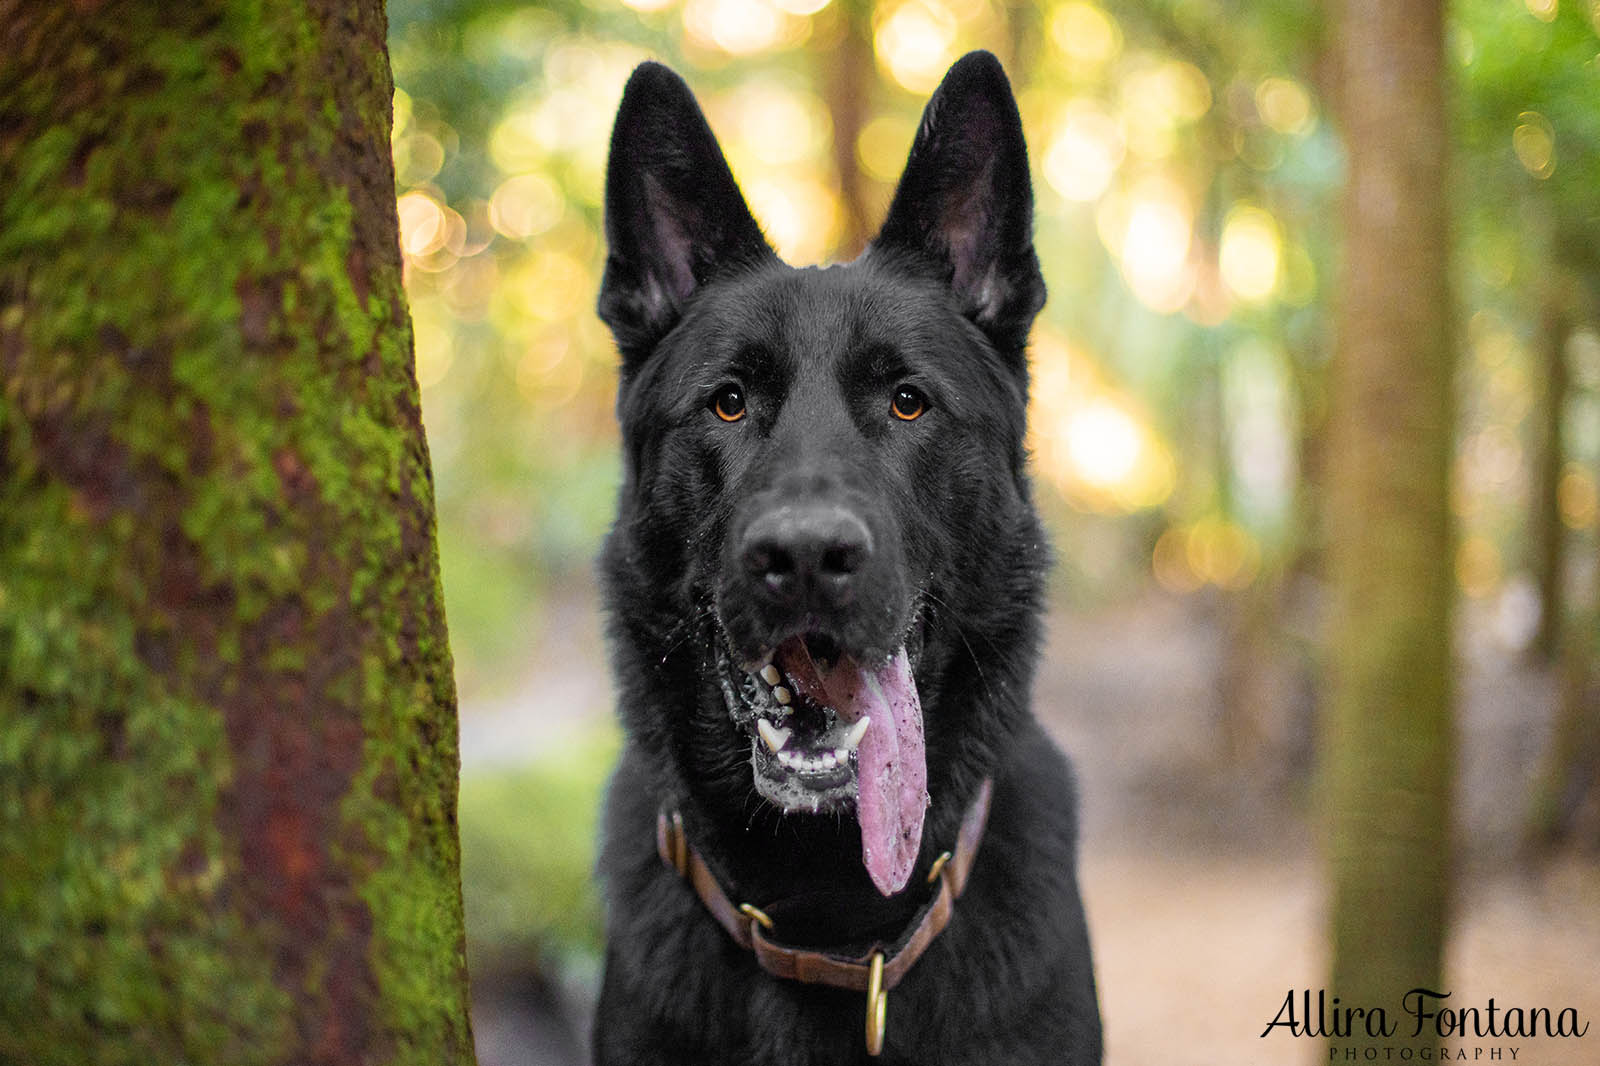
{"points": [[1189, 168]]}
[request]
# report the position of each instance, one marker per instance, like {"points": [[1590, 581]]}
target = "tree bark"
{"points": [[1549, 532], [1389, 745], [1569, 773], [847, 77], [227, 716]]}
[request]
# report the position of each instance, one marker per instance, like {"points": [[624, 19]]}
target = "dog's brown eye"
{"points": [[728, 403], [908, 403]]}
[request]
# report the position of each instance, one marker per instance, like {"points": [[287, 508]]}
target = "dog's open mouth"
{"points": [[827, 733]]}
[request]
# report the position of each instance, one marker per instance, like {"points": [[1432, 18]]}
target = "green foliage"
{"points": [[527, 855]]}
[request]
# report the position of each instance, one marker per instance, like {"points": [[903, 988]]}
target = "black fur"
{"points": [[946, 557]]}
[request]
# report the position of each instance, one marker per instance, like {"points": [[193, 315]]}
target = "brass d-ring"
{"points": [[750, 910], [877, 1006]]}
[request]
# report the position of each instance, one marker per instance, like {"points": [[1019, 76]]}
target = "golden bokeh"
{"points": [[1150, 229], [1086, 36], [1250, 257], [916, 42], [1285, 105], [1082, 157]]}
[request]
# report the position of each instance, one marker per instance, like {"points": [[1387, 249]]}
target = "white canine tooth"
{"points": [[773, 737], [781, 694], [857, 731], [840, 755], [770, 675]]}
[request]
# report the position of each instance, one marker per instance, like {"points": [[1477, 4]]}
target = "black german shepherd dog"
{"points": [[823, 589]]}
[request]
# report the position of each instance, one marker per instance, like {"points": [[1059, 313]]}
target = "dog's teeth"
{"points": [[770, 675], [772, 736], [829, 760], [857, 731], [787, 758], [781, 694], [840, 755]]}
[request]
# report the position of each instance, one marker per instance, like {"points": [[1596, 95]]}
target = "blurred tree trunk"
{"points": [[1570, 772], [1024, 31], [847, 77], [1389, 747], [1549, 532], [227, 717]]}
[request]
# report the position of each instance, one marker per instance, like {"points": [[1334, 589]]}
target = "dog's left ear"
{"points": [[674, 217], [964, 206]]}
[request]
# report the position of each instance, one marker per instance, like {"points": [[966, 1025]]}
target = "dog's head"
{"points": [[826, 568]]}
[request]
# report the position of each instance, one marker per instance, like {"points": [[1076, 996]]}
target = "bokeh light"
{"points": [[1212, 550], [1088, 440], [1150, 231], [1250, 254], [526, 205], [1083, 156], [738, 27], [883, 145], [777, 125], [1285, 105], [1158, 97], [1086, 36], [1534, 141], [1102, 443], [799, 215], [916, 43]]}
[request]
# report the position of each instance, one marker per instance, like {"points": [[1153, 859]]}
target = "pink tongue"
{"points": [[893, 769]]}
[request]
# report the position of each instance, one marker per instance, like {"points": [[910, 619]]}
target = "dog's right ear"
{"points": [[674, 216]]}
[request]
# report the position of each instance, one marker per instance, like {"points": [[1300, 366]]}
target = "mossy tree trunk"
{"points": [[1389, 739], [227, 717]]}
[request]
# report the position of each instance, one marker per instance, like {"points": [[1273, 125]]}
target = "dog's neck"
{"points": [[807, 870]]}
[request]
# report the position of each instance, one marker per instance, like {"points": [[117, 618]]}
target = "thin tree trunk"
{"points": [[847, 77], [227, 717], [1570, 771], [1389, 746], [1549, 532]]}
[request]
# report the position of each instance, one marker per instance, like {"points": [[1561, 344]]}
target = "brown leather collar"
{"points": [[883, 965]]}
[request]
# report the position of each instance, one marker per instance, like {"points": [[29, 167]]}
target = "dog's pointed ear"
{"points": [[674, 216], [964, 206]]}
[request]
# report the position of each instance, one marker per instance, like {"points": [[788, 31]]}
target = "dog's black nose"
{"points": [[800, 552]]}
